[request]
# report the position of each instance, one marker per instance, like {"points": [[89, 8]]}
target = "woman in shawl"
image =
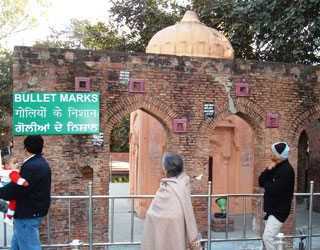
{"points": [[170, 222]]}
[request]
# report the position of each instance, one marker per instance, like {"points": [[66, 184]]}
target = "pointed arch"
{"points": [[302, 120], [252, 113], [151, 105]]}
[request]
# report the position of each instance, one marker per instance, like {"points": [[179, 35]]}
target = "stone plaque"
{"points": [[208, 110], [97, 140], [246, 158], [124, 77]]}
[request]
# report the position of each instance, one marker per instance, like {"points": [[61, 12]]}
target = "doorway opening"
{"points": [[137, 143], [231, 150], [309, 162], [119, 151]]}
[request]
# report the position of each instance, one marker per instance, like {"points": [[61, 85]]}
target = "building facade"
{"points": [[254, 105]]}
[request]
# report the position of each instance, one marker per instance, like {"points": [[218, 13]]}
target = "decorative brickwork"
{"points": [[220, 225], [174, 88]]}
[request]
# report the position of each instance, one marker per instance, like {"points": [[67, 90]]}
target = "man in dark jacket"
{"points": [[33, 201], [278, 182], [6, 150]]}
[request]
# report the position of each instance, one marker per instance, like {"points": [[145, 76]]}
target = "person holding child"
{"points": [[33, 201], [9, 173]]}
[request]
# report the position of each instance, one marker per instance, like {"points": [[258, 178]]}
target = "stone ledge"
{"points": [[219, 225]]}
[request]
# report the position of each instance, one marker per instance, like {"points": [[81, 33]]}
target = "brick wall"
{"points": [[120, 156], [175, 87]]}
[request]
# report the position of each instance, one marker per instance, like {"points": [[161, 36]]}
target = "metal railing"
{"points": [[90, 197]]}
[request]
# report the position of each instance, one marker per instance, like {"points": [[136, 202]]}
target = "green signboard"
{"points": [[55, 113]]}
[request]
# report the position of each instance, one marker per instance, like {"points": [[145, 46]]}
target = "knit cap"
{"points": [[280, 150]]}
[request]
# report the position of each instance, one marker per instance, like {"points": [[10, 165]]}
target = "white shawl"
{"points": [[170, 222]]}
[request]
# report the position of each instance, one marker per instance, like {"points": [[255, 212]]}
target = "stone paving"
{"points": [[7, 229], [122, 228], [123, 216]]}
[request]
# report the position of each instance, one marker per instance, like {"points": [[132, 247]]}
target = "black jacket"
{"points": [[278, 184], [5, 151], [33, 200]]}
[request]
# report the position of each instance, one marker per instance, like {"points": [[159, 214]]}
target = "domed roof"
{"points": [[190, 37]]}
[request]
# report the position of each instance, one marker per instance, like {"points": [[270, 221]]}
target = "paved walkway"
{"points": [[123, 217], [302, 215], [5, 229], [122, 227]]}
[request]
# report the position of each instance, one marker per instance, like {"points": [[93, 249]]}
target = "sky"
{"points": [[58, 15]]}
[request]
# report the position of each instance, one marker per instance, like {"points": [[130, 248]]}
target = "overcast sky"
{"points": [[58, 15]]}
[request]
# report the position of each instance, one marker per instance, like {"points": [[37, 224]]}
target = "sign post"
{"points": [[55, 113]]}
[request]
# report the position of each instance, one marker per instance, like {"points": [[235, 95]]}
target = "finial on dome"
{"points": [[190, 17]]}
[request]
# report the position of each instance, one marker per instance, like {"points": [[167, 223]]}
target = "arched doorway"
{"points": [[309, 161], [148, 143], [231, 149], [137, 143]]}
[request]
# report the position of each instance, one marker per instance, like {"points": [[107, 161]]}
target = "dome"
{"points": [[190, 37]]}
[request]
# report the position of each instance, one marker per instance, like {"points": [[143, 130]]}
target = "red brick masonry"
{"points": [[174, 88]]}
